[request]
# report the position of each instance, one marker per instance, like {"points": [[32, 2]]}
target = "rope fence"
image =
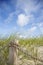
{"points": [[14, 45]]}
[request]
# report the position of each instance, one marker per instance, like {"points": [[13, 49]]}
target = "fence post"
{"points": [[12, 54]]}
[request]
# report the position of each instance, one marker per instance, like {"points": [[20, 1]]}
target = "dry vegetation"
{"points": [[28, 44]]}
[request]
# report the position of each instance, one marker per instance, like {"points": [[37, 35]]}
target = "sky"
{"points": [[23, 17]]}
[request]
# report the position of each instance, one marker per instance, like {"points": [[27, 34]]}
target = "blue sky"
{"points": [[23, 17]]}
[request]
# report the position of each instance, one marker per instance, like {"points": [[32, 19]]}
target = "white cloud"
{"points": [[32, 29], [31, 32], [22, 20], [39, 27], [28, 33], [21, 36], [28, 6], [31, 7], [40, 24], [10, 18]]}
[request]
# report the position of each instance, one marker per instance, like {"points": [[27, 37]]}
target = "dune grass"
{"points": [[25, 43]]}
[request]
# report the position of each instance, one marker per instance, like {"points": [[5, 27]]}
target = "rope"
{"points": [[26, 53], [22, 50]]}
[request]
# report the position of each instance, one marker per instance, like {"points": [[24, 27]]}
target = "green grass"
{"points": [[27, 43]]}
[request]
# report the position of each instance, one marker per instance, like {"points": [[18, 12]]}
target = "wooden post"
{"points": [[12, 54], [36, 50]]}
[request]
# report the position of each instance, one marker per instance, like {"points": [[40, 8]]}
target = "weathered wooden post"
{"points": [[13, 53]]}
